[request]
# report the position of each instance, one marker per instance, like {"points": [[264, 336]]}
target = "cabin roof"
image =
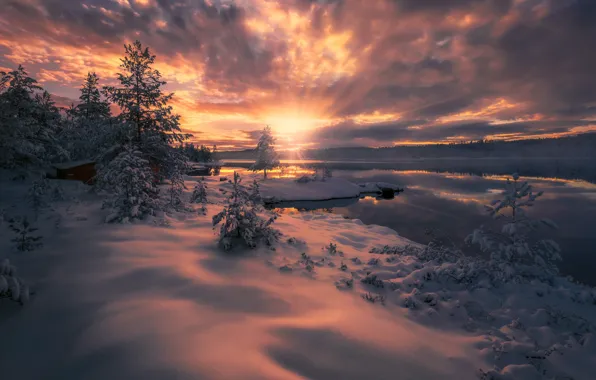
{"points": [[72, 164]]}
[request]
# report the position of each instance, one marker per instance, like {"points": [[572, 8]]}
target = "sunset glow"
{"points": [[328, 73]]}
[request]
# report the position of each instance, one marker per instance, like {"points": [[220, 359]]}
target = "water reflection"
{"points": [[582, 169], [450, 200], [453, 205]]}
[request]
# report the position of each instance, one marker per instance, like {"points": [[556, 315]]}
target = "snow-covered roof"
{"points": [[73, 164]]}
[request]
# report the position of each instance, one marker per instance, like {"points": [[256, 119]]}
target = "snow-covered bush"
{"points": [[29, 121], [130, 181], [267, 156], [514, 248], [24, 239], [199, 194], [175, 189], [255, 193], [240, 220], [11, 286], [36, 195]]}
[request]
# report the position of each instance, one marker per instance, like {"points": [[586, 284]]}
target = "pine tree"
{"points": [[89, 129], [24, 239], [267, 156], [199, 194], [36, 195], [145, 107], [141, 99], [130, 180], [29, 121], [241, 221], [91, 106], [513, 245]]}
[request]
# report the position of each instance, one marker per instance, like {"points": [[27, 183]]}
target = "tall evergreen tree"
{"points": [[92, 106], [267, 156], [89, 130], [143, 103], [146, 109], [28, 121]]}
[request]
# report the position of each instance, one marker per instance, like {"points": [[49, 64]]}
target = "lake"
{"points": [[450, 201]]}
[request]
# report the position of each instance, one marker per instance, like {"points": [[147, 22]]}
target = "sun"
{"points": [[293, 123]]}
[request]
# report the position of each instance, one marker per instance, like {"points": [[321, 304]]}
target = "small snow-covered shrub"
{"points": [[372, 279], [199, 194], [512, 248], [374, 298], [24, 239], [129, 179], [240, 220], [175, 189], [11, 286], [255, 193], [36, 195]]}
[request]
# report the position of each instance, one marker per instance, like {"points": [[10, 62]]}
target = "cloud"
{"points": [[471, 68]]}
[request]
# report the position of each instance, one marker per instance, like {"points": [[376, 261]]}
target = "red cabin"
{"points": [[83, 171]]}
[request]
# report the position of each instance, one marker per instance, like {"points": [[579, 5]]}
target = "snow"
{"points": [[289, 190], [375, 187], [158, 299]]}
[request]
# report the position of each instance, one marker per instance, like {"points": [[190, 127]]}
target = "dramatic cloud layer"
{"points": [[331, 72]]}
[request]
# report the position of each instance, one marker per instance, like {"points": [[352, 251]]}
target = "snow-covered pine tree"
{"points": [[255, 193], [92, 106], [24, 239], [89, 128], [131, 181], [36, 195], [145, 108], [241, 220], [176, 187], [267, 156], [11, 286], [199, 194], [513, 245], [28, 121]]}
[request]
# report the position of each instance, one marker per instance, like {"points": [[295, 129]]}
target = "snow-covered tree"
{"points": [[145, 107], [267, 156], [28, 121], [24, 239], [240, 220], [130, 180], [515, 244], [36, 195], [11, 286], [92, 106], [199, 194], [89, 128], [175, 188]]}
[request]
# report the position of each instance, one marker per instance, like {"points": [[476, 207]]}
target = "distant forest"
{"points": [[579, 146]]}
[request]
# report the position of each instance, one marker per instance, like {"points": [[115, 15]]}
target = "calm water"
{"points": [[451, 203]]}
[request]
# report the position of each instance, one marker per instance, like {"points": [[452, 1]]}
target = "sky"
{"points": [[328, 73]]}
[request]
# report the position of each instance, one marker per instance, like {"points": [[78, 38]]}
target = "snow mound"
{"points": [[375, 187], [284, 190], [290, 190]]}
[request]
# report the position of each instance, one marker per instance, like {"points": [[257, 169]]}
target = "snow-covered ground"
{"points": [[159, 300]]}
